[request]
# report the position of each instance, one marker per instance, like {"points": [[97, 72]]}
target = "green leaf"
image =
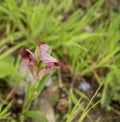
{"points": [[42, 82], [35, 115], [4, 113], [6, 66]]}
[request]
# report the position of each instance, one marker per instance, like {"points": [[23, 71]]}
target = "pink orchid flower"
{"points": [[32, 60]]}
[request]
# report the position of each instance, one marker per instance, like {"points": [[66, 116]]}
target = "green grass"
{"points": [[86, 41]]}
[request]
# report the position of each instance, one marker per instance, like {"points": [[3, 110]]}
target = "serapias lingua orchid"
{"points": [[41, 54]]}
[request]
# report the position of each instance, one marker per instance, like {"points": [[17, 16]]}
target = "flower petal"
{"points": [[33, 69], [32, 55], [38, 42], [45, 57], [53, 64], [44, 47], [43, 72], [37, 54], [28, 57]]}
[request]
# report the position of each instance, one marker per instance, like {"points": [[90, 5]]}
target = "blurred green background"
{"points": [[84, 34]]}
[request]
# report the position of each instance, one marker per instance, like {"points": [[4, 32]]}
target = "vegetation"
{"points": [[86, 40]]}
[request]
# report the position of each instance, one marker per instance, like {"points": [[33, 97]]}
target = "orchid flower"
{"points": [[41, 54]]}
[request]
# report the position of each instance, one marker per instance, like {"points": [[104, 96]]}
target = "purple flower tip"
{"points": [[38, 42]]}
